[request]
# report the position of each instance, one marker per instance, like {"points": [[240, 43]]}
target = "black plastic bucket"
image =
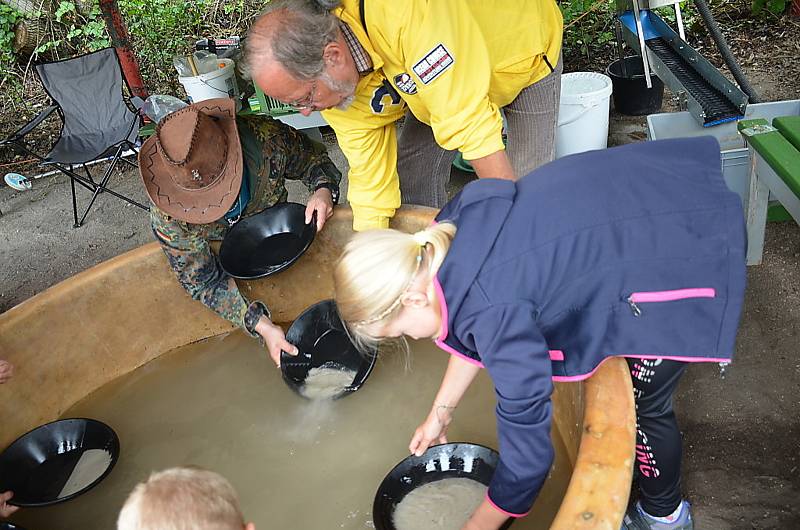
{"points": [[631, 95]]}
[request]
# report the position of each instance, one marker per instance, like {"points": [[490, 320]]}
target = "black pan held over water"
{"points": [[451, 460], [267, 242], [322, 341], [44, 466]]}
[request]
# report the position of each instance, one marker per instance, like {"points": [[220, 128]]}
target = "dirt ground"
{"points": [[741, 430]]}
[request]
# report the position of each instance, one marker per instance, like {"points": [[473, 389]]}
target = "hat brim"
{"points": [[207, 204]]}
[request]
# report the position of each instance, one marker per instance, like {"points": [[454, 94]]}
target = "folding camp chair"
{"points": [[96, 121]]}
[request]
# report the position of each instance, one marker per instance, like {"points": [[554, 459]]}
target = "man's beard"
{"points": [[347, 91]]}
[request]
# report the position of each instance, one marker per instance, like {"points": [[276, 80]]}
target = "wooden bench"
{"points": [[775, 168]]}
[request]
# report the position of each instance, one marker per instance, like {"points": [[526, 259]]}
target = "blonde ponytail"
{"points": [[439, 237], [377, 267]]}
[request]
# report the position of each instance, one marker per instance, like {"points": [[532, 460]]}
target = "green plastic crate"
{"points": [[271, 106]]}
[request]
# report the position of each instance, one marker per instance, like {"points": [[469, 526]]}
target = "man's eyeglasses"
{"points": [[307, 103]]}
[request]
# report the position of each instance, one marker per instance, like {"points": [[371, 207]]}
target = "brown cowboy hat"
{"points": [[192, 166]]}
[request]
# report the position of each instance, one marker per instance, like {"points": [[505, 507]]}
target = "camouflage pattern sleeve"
{"points": [[293, 155], [199, 273]]}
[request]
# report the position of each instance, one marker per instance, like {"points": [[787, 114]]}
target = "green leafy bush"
{"points": [[79, 32], [8, 19], [776, 7], [159, 29], [588, 27]]}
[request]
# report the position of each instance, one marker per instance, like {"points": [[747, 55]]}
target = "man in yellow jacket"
{"points": [[448, 66]]}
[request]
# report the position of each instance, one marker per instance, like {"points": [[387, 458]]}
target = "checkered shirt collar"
{"points": [[360, 55]]}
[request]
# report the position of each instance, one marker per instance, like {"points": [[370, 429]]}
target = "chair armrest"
{"points": [[28, 127]]}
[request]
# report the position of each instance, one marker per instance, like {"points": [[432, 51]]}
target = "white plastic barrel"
{"points": [[221, 83], [583, 113]]}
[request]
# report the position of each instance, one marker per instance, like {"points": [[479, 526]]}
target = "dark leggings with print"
{"points": [[658, 440]]}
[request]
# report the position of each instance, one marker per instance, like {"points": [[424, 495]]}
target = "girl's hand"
{"points": [[274, 339], [6, 371], [321, 202], [6, 509], [434, 429]]}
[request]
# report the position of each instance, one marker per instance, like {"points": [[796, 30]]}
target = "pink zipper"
{"points": [[667, 296]]}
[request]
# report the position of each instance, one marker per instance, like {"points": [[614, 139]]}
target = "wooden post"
{"points": [[121, 41]]}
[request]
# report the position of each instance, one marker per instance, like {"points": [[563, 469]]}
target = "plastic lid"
{"points": [[581, 87]]}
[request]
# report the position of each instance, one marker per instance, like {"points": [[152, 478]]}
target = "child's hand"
{"points": [[434, 429], [6, 509], [274, 339], [6, 371]]}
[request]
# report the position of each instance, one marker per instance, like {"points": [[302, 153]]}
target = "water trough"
{"points": [[103, 323]]}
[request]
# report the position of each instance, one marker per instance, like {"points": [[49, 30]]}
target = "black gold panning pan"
{"points": [[58, 461], [322, 341], [267, 242], [451, 460]]}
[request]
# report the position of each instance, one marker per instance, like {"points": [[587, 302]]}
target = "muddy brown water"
{"points": [[315, 465]]}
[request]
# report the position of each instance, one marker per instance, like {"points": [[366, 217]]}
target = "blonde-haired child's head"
{"points": [[384, 276], [182, 498]]}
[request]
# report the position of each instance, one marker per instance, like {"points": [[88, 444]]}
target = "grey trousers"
{"points": [[424, 167]]}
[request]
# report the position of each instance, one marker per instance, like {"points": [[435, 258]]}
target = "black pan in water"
{"points": [[267, 242], [5, 525], [451, 460], [38, 465], [322, 340]]}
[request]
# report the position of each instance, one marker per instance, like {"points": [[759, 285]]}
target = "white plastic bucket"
{"points": [[221, 83], [583, 113]]}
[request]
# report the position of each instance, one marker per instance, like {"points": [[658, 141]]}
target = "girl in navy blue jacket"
{"points": [[636, 251]]}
